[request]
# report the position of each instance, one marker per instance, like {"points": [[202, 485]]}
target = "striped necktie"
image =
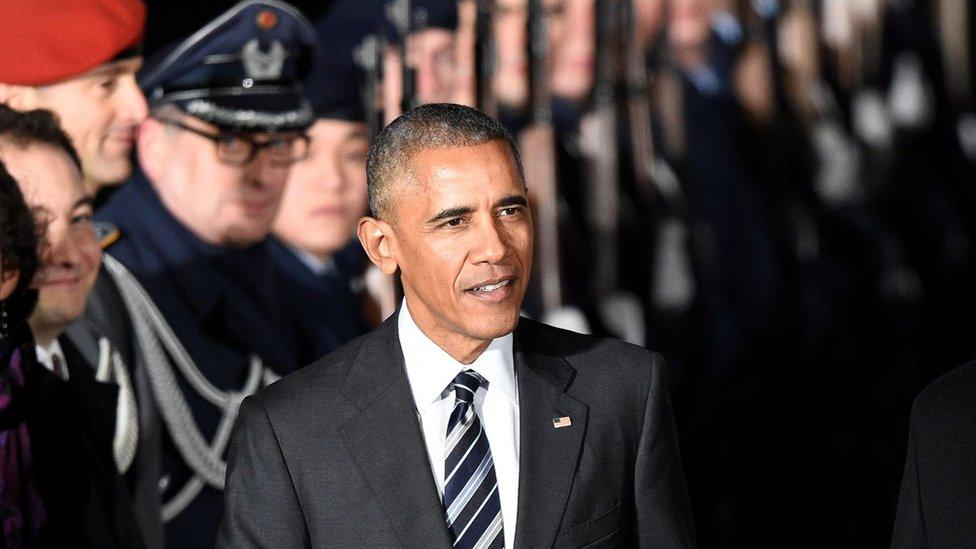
{"points": [[474, 512]]}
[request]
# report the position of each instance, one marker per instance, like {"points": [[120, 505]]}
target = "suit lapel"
{"points": [[387, 444], [548, 456]]}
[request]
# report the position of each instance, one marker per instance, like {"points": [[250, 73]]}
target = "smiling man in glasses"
{"points": [[227, 121]]}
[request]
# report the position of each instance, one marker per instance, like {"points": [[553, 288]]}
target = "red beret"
{"points": [[47, 41]]}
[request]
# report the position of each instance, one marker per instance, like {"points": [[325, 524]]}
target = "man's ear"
{"points": [[378, 239], [19, 98], [8, 282]]}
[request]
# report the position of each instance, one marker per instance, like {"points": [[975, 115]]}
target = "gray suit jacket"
{"points": [[333, 455], [938, 490]]}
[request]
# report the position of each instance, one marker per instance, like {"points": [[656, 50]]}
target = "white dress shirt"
{"points": [[46, 356], [430, 371]]}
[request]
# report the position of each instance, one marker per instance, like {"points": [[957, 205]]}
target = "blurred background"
{"points": [[777, 195]]}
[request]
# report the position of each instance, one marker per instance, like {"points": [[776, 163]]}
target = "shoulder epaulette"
{"points": [[106, 233]]}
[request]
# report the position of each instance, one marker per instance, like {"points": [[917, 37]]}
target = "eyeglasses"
{"points": [[239, 148]]}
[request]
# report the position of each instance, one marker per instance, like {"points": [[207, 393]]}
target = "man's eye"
{"points": [[233, 144], [280, 143], [108, 84], [510, 211], [455, 222], [354, 154], [354, 157], [82, 218]]}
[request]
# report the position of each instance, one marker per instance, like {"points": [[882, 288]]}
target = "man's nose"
{"points": [[492, 246], [59, 247], [130, 100], [328, 174], [262, 171]]}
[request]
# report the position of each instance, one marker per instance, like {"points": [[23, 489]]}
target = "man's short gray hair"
{"points": [[433, 126]]}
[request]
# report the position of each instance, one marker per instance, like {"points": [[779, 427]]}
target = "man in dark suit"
{"points": [[938, 490], [457, 422]]}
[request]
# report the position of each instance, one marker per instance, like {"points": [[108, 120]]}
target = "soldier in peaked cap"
{"points": [[227, 121], [79, 59]]}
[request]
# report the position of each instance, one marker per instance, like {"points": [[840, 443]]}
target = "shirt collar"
{"points": [[318, 266], [45, 355], [430, 369]]}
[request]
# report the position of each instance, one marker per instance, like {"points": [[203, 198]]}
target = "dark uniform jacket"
{"points": [[327, 307]]}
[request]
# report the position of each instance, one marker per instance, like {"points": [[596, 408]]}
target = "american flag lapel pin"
{"points": [[559, 422]]}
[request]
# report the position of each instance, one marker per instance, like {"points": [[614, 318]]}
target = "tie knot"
{"points": [[466, 385]]}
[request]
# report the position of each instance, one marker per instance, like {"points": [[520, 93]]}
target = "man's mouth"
{"points": [[490, 287], [328, 211], [124, 136], [55, 281], [256, 204], [494, 291]]}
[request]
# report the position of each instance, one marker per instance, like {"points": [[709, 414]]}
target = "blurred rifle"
{"points": [[384, 291], [869, 26], [837, 34], [401, 15], [404, 18], [369, 56], [485, 58], [953, 26], [465, 53], [411, 98], [598, 130], [538, 148], [620, 311], [638, 87], [670, 285]]}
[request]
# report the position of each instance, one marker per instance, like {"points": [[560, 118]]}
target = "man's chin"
{"points": [[246, 234], [493, 326], [109, 172], [54, 319], [318, 238]]}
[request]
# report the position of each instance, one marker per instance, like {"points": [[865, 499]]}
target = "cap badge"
{"points": [[261, 65], [267, 19]]}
